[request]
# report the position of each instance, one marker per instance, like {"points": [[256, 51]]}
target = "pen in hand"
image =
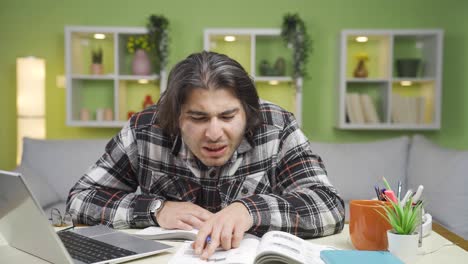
{"points": [[207, 242]]}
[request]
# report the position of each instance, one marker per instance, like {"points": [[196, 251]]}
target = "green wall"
{"points": [[31, 27]]}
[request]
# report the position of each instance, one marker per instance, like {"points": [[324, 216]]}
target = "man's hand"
{"points": [[226, 228], [182, 215]]}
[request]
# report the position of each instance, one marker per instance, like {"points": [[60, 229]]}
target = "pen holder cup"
{"points": [[367, 228]]}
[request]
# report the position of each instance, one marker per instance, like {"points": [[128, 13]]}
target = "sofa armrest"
{"points": [[443, 173]]}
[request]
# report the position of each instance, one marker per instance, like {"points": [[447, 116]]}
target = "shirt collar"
{"points": [[181, 150]]}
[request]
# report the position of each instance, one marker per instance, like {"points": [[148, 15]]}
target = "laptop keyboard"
{"points": [[90, 250]]}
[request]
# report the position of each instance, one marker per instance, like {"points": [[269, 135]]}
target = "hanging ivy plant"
{"points": [[158, 29], [294, 33]]}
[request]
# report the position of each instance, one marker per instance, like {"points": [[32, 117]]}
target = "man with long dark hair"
{"points": [[210, 155]]}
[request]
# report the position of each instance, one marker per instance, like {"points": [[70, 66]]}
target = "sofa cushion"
{"points": [[355, 168], [40, 188], [443, 173], [52, 167]]}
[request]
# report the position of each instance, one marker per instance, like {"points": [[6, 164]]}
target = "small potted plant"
{"points": [[404, 217], [96, 58]]}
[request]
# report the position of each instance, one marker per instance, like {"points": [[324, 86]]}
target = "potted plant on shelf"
{"points": [[140, 46], [96, 58], [404, 216]]}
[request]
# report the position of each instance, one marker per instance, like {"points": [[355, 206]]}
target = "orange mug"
{"points": [[367, 228]]}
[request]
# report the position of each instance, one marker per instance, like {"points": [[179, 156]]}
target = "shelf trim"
{"points": [[118, 30], [94, 123], [243, 31], [387, 126], [153, 77], [400, 79], [92, 77], [367, 80], [273, 78]]}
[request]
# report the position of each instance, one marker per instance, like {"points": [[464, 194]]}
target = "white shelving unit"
{"points": [[116, 88], [252, 46], [402, 100]]}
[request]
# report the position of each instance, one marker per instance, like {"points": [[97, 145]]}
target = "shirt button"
{"points": [[245, 191], [212, 174]]}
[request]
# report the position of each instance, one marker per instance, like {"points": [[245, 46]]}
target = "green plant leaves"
{"points": [[403, 218], [294, 33]]}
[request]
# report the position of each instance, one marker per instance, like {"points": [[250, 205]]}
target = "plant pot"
{"points": [[97, 68], [141, 64], [405, 247], [368, 228], [408, 67]]}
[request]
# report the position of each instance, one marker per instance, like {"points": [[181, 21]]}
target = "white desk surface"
{"points": [[446, 252]]}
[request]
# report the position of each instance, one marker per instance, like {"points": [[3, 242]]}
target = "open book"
{"points": [[274, 246], [159, 233]]}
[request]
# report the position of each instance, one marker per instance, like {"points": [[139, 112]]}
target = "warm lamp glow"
{"points": [[30, 101], [406, 83], [229, 38], [362, 39], [99, 36], [30, 73]]}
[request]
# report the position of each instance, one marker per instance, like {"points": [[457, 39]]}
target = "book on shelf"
{"points": [[395, 117], [421, 109], [349, 109], [357, 108], [408, 109], [361, 109], [159, 233], [273, 247], [354, 108], [369, 110]]}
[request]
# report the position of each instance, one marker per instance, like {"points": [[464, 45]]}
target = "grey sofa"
{"points": [[52, 167]]}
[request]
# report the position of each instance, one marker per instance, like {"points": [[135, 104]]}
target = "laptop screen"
{"points": [[24, 225]]}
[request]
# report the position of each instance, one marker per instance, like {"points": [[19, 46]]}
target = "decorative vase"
{"points": [[147, 102], [129, 114], [108, 114], [361, 70], [280, 67], [408, 67], [97, 68], [264, 68], [141, 64], [405, 247], [84, 114]]}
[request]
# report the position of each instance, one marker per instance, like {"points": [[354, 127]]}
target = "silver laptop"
{"points": [[24, 226]]}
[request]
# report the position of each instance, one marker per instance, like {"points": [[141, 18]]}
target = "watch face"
{"points": [[158, 204], [156, 207]]}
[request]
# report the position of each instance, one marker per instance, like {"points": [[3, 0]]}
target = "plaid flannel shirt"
{"points": [[273, 173]]}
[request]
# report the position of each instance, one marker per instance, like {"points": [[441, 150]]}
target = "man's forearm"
{"points": [[111, 207], [307, 213]]}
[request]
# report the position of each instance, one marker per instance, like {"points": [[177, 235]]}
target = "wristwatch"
{"points": [[155, 208]]}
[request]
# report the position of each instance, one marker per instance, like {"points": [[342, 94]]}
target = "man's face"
{"points": [[212, 124]]}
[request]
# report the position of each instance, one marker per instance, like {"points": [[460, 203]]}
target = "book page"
{"points": [[289, 247], [154, 232], [244, 254]]}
